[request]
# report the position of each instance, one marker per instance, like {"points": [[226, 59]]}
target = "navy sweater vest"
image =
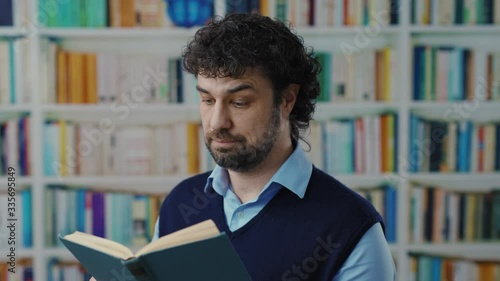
{"points": [[291, 238]]}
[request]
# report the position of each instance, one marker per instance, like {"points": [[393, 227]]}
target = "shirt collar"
{"points": [[294, 175]]}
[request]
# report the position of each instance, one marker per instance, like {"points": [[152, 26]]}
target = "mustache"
{"points": [[224, 135]]}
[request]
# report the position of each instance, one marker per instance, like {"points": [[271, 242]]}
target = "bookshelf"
{"points": [[169, 41]]}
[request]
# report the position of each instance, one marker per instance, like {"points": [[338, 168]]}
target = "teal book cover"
{"points": [[199, 252]]}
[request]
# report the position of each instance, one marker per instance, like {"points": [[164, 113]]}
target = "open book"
{"points": [[198, 252]]}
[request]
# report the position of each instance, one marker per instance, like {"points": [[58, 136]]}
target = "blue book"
{"points": [[27, 218], [390, 196], [464, 145], [6, 13], [206, 255]]}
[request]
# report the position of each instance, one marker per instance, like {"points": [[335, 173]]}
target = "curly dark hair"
{"points": [[227, 47]]}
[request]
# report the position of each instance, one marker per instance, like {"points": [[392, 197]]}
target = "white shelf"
{"points": [[459, 29], [20, 254], [346, 30], [12, 32], [325, 111], [146, 184], [459, 182], [356, 181], [117, 33], [124, 113], [20, 180], [454, 111], [474, 251]]}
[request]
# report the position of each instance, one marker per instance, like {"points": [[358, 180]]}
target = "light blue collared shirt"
{"points": [[371, 258]]}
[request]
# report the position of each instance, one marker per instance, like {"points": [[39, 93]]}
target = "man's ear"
{"points": [[289, 98]]}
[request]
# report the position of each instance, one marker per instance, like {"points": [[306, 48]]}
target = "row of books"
{"points": [[359, 145], [102, 13], [85, 149], [449, 12], [369, 75], [76, 77], [320, 12], [456, 146], [126, 218], [436, 268], [22, 212], [446, 73], [23, 272], [15, 146], [14, 88], [438, 215], [384, 199], [66, 271]]}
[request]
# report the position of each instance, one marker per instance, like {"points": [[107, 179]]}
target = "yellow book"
{"points": [[264, 9], [386, 92], [193, 148], [90, 78], [127, 13], [76, 77], [62, 77]]}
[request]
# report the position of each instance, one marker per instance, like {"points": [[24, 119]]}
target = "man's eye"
{"points": [[239, 104], [208, 101]]}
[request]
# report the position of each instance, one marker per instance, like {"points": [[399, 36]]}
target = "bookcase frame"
{"points": [[404, 36]]}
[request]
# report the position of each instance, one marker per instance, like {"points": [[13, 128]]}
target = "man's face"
{"points": [[240, 123]]}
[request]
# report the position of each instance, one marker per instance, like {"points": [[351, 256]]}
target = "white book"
{"points": [[418, 229], [436, 6], [480, 75], [51, 76], [496, 13], [339, 13], [368, 61], [20, 49], [489, 147], [4, 73], [220, 8], [453, 212], [61, 205], [321, 11], [495, 83], [180, 148], [71, 157], [109, 221]]}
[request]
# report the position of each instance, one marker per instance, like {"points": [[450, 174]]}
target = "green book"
{"points": [[198, 252]]}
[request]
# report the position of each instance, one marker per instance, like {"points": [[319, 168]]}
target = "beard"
{"points": [[243, 156]]}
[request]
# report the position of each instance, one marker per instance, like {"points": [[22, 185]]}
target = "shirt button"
{"points": [[240, 215]]}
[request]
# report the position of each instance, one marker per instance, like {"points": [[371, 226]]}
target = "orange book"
{"points": [[114, 13], [264, 9], [90, 78], [486, 271], [193, 148], [76, 77], [127, 13], [386, 74], [62, 77]]}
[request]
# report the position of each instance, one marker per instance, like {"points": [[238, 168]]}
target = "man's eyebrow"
{"points": [[238, 88]]}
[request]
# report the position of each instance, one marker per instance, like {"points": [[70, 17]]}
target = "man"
{"points": [[286, 219]]}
